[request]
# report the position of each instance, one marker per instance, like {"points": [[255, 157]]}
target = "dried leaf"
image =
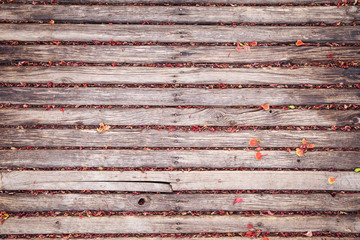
{"points": [[52, 22], [258, 155], [237, 200], [292, 107], [265, 238], [299, 152], [270, 213], [238, 47], [309, 234], [299, 43], [253, 44], [62, 109], [266, 106], [254, 142], [102, 128], [311, 146], [250, 226], [330, 55], [304, 141], [357, 170], [332, 180]]}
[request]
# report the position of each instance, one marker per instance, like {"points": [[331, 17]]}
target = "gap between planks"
{"points": [[175, 54], [178, 224], [178, 202], [170, 181], [178, 96], [10, 137], [213, 159], [154, 75], [181, 14], [179, 117], [175, 33]]}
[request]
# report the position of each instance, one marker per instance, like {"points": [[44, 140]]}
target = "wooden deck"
{"points": [[134, 119]]}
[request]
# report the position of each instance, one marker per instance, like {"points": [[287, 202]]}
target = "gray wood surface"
{"points": [[180, 14], [347, 160], [10, 137], [179, 117], [178, 202], [168, 181], [215, 238], [153, 75], [178, 224], [174, 54], [175, 33], [178, 96]]}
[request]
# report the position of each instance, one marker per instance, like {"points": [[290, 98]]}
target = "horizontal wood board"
{"points": [[169, 181], [179, 117], [178, 224], [347, 160], [175, 54], [175, 33], [154, 75], [178, 96], [180, 14], [179, 202], [10, 137]]}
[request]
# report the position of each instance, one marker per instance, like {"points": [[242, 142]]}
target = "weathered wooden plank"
{"points": [[178, 202], [175, 33], [215, 238], [347, 160], [178, 96], [180, 14], [178, 224], [165, 54], [297, 2], [152, 75], [11, 137], [179, 117], [149, 181]]}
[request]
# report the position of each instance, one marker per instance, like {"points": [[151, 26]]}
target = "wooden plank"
{"points": [[347, 160], [179, 117], [175, 33], [167, 181], [180, 14], [178, 202], [214, 238], [174, 54], [153, 75], [178, 224], [297, 2], [10, 137], [178, 96]]}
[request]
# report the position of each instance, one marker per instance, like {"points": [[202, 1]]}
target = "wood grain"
{"points": [[179, 117], [347, 160], [178, 224], [175, 33], [153, 75], [168, 181], [215, 238], [178, 96], [180, 14], [10, 137], [178, 202], [174, 54]]}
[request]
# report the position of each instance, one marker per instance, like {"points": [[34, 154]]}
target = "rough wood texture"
{"points": [[168, 181], [178, 96], [178, 224], [175, 33], [174, 54], [180, 14], [178, 159], [10, 137], [179, 117], [204, 238], [297, 2], [152, 75], [178, 202]]}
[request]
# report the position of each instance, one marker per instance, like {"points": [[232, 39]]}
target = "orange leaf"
{"points": [[253, 44], [52, 22], [237, 200], [238, 47], [254, 142], [304, 141], [299, 152], [299, 43], [266, 106], [311, 146], [332, 180], [258, 155], [265, 238], [102, 128]]}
